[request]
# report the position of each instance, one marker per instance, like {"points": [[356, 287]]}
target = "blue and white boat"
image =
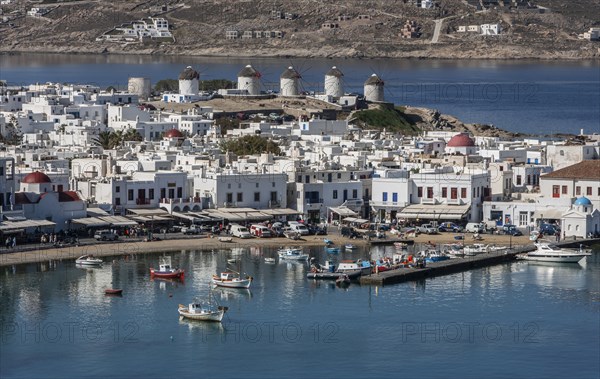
{"points": [[433, 256], [328, 241]]}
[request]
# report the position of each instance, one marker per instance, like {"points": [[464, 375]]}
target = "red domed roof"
{"points": [[36, 178], [460, 140], [173, 133]]}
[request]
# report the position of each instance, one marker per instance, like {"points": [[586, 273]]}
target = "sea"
{"points": [[541, 98], [513, 320]]}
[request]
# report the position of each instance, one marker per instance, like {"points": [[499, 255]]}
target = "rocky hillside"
{"points": [[354, 28]]}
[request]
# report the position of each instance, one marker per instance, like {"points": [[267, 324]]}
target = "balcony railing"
{"points": [[181, 200], [274, 204], [140, 201]]}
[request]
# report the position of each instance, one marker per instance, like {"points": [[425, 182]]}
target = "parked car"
{"points": [[450, 227], [240, 231], [548, 229], [515, 232], [427, 229], [475, 227], [105, 235], [508, 227], [192, 229]]}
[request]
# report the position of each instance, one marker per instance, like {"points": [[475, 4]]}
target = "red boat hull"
{"points": [[169, 275], [113, 291]]}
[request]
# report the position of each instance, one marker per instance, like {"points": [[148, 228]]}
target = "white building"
{"points": [[333, 82], [249, 81], [581, 179], [234, 189], [592, 35], [40, 199], [491, 29], [439, 194], [581, 220], [7, 183]]}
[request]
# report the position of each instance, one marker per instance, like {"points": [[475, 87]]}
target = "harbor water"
{"points": [[535, 97], [521, 320]]}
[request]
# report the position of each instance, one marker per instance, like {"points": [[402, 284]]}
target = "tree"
{"points": [[13, 135], [104, 140], [167, 85], [132, 135], [247, 145]]}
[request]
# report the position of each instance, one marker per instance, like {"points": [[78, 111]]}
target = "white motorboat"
{"points": [[231, 280], [294, 254], [553, 253], [88, 260], [269, 260], [475, 249]]}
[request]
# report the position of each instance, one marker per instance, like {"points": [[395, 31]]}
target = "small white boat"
{"points": [[475, 249], [202, 312], [231, 280], [225, 239], [347, 265], [232, 261], [270, 260], [88, 260], [349, 246], [292, 254], [165, 270], [553, 253], [400, 245]]}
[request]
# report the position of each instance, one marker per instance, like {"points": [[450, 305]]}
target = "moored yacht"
{"points": [[552, 253]]}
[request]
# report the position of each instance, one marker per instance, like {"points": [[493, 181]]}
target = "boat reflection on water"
{"points": [[229, 294], [556, 275], [206, 329]]}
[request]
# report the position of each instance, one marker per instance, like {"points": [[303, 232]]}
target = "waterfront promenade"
{"points": [[176, 241]]}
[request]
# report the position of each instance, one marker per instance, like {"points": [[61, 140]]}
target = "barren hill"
{"points": [[324, 28]]}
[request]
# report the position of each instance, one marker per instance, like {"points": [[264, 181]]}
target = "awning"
{"points": [[96, 212], [356, 220], [13, 225], [343, 211], [434, 212], [90, 221], [148, 212], [281, 212], [105, 221], [548, 214], [149, 218], [118, 221]]}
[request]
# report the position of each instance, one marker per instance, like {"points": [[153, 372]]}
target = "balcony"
{"points": [[429, 201], [313, 204], [454, 201], [140, 201], [274, 204]]}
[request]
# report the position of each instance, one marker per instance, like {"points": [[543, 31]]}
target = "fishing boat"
{"points": [[225, 239], [327, 241], [552, 253], [332, 250], [347, 265], [200, 311], [294, 254], [165, 270], [113, 291], [329, 271], [431, 256], [88, 260], [270, 260], [231, 279]]}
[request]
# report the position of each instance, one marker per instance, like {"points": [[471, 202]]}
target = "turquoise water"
{"points": [[518, 320], [536, 97]]}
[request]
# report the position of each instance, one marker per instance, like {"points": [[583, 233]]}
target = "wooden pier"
{"points": [[446, 267]]}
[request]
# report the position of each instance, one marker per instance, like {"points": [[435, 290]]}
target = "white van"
{"points": [[260, 231], [106, 235], [240, 231], [474, 227], [298, 227]]}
